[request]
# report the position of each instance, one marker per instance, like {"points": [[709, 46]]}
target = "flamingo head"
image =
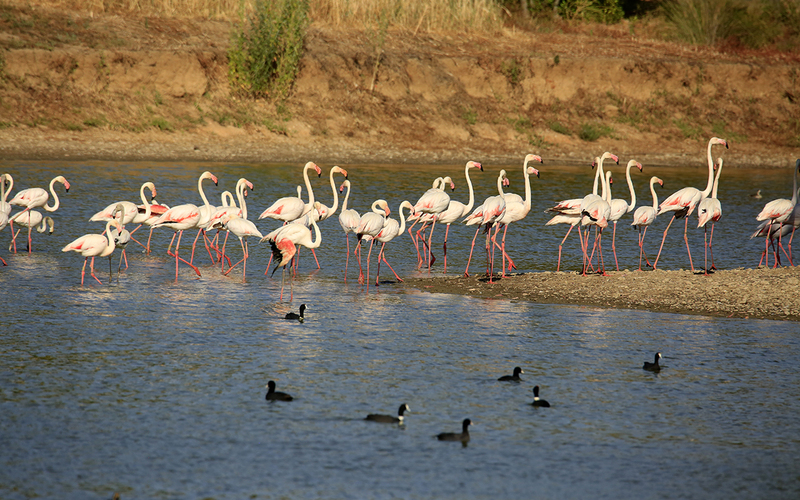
{"points": [[717, 140], [532, 171], [506, 182], [152, 188], [659, 181], [244, 193], [639, 166], [614, 157], [345, 184], [474, 164], [384, 205], [63, 181], [315, 167], [448, 180], [340, 170], [533, 157], [595, 162]]}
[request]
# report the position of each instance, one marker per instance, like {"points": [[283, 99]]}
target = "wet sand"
{"points": [[743, 293]]}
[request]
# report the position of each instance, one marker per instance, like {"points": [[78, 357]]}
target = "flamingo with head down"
{"points": [[37, 197], [283, 243], [778, 211]]}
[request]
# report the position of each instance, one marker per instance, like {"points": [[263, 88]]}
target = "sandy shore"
{"points": [[744, 293]]}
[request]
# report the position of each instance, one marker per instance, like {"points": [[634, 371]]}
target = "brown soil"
{"points": [[111, 87], [76, 86]]}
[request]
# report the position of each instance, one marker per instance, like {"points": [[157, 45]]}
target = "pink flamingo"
{"points": [[181, 218], [710, 209], [455, 209], [433, 201], [391, 229], [778, 211], [229, 209], [440, 184], [620, 207], [684, 201], [292, 208], [5, 179], [283, 241], [323, 212], [349, 220], [369, 226], [773, 232], [643, 217], [30, 219], [489, 211], [516, 210], [241, 228], [595, 212], [132, 213], [37, 197], [94, 245]]}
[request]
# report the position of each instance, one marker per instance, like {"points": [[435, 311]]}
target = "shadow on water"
{"points": [[155, 389]]}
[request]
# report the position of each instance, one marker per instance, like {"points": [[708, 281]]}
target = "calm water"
{"points": [[155, 389]]}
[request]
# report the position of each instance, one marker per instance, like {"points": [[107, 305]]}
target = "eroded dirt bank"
{"points": [[742, 293]]}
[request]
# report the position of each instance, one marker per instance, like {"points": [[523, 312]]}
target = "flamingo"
{"points": [[349, 220], [37, 197], [323, 212], [370, 225], [491, 209], [439, 184], [5, 207], [517, 210], [156, 211], [596, 211], [184, 217], [242, 228], [30, 219], [710, 209], [778, 211], [94, 245], [645, 216], [620, 207], [228, 209], [121, 239], [770, 231], [456, 210], [132, 214], [684, 201], [292, 208], [569, 211], [283, 241], [391, 229], [434, 201]]}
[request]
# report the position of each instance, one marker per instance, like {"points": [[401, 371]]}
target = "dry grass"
{"points": [[415, 15]]}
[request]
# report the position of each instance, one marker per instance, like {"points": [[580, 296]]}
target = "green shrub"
{"points": [[590, 132], [265, 55], [601, 11], [559, 128]]}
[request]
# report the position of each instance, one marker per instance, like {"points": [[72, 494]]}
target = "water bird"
{"points": [[273, 395], [757, 195], [462, 436], [388, 419], [512, 378], [537, 401], [299, 317], [653, 367]]}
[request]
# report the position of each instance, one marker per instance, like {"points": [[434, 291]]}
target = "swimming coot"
{"points": [[295, 316], [273, 395], [512, 378], [388, 419], [653, 367], [537, 401], [463, 436]]}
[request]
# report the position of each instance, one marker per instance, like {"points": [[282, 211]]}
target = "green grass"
{"points": [[591, 132], [469, 115], [688, 130], [161, 124], [559, 128]]}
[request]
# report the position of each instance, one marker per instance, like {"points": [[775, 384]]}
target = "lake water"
{"points": [[155, 388]]}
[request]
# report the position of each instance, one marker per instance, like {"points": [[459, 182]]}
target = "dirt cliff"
{"points": [[117, 87]]}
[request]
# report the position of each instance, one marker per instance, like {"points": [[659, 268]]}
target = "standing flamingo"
{"points": [[242, 228], [456, 210], [283, 241], [37, 197], [491, 209], [595, 211], [184, 217], [433, 201], [348, 219], [30, 219], [5, 179], [620, 207], [291, 207], [323, 212], [228, 209], [710, 209], [644, 216], [517, 210], [94, 245], [391, 229], [370, 225], [683, 202], [778, 211], [440, 184]]}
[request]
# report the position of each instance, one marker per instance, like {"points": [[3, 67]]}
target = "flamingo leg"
{"points": [[645, 253], [30, 241], [558, 266], [432, 258], [378, 271], [662, 242], [600, 249], [390, 267], [686, 239], [13, 236], [766, 244], [369, 256], [222, 259], [91, 267], [315, 258], [444, 248], [614, 244], [347, 258], [416, 246], [641, 240], [466, 271], [705, 253], [4, 261], [83, 269], [791, 263], [148, 240], [360, 269]]}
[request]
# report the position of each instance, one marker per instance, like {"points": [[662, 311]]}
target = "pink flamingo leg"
{"points": [[444, 248], [686, 239], [83, 269], [662, 242], [369, 256], [432, 259], [315, 258], [92, 271], [614, 245], [347, 258], [558, 266], [466, 271]]}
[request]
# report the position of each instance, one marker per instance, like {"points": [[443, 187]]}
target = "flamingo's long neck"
{"points": [[527, 176], [316, 243], [310, 204], [630, 186], [716, 181], [147, 209], [471, 192], [109, 237], [5, 191], [56, 201], [605, 193], [710, 184], [346, 197], [240, 196], [403, 217], [598, 176], [500, 179], [653, 192], [335, 196], [794, 183], [202, 193]]}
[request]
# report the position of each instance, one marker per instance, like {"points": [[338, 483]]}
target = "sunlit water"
{"points": [[155, 389]]}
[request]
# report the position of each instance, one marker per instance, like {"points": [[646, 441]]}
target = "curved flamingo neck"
{"points": [[56, 201], [240, 196], [605, 193], [500, 179], [527, 176], [716, 180], [346, 196], [310, 203], [6, 191], [630, 185], [403, 205], [794, 183], [316, 243], [599, 174], [147, 209], [202, 193], [471, 191], [710, 184], [335, 195], [653, 192]]}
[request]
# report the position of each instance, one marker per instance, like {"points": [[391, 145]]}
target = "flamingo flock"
{"points": [[301, 219]]}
